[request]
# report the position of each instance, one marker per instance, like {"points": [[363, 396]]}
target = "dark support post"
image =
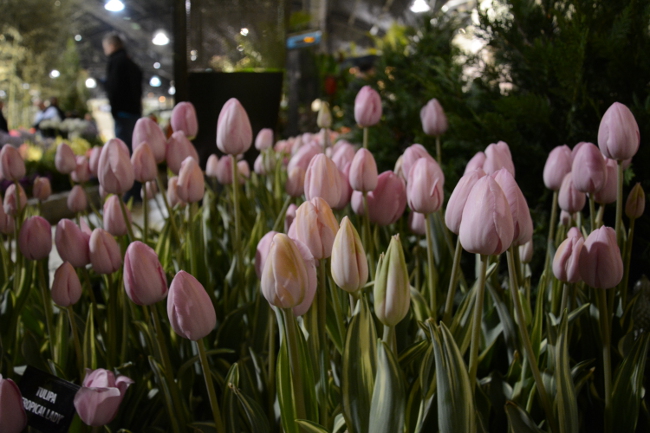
{"points": [[180, 51]]}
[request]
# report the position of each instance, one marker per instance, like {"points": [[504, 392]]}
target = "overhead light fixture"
{"points": [[243, 31], [114, 6], [156, 65], [172, 90], [160, 38], [55, 73], [91, 83], [155, 81], [420, 6], [77, 38]]}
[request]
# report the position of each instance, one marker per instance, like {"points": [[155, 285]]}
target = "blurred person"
{"points": [[54, 102], [3, 122], [46, 114]]}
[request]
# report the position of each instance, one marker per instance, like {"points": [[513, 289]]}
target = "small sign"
{"points": [[304, 39], [48, 400]]}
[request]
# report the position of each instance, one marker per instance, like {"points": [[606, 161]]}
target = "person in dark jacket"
{"points": [[3, 122]]}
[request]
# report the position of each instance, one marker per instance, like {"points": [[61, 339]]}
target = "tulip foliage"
{"points": [[304, 297]]}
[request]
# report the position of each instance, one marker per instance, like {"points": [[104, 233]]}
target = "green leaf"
{"points": [[230, 413], [456, 411], [359, 368], [89, 349], [519, 420], [254, 414], [311, 427], [389, 396], [628, 387], [567, 404]]}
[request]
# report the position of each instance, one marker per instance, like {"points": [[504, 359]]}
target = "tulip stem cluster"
{"points": [[47, 307], [453, 282], [207, 375], [601, 300], [432, 273], [477, 320], [291, 330]]}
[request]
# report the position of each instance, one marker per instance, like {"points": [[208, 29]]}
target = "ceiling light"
{"points": [[155, 81], [160, 38], [77, 38], [243, 31], [420, 6], [114, 6], [172, 90], [91, 83], [55, 74], [156, 65]]}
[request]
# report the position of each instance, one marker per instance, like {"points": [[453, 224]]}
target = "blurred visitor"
{"points": [[46, 119], [54, 102], [3, 122]]}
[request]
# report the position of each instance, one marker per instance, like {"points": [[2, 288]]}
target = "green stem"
{"points": [[235, 197], [599, 216], [367, 237], [627, 258], [438, 150], [324, 352], [476, 322], [607, 359], [207, 375], [390, 338], [75, 339], [281, 215], [294, 362], [272, 357], [451, 292], [551, 232], [619, 204], [592, 212], [127, 221], [432, 273], [565, 298], [365, 138], [111, 322], [47, 308], [170, 211], [145, 207]]}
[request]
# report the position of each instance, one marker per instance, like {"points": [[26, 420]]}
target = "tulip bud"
{"points": [[234, 131], [486, 226], [115, 171], [588, 170], [322, 179], [349, 263], [411, 156], [618, 133], [434, 120], [81, 172], [609, 191], [523, 223], [72, 243], [289, 217], [172, 192], [558, 165], [12, 166], [224, 170], [456, 204], [77, 200], [13, 417], [565, 218], [363, 171], [7, 223], [526, 252], [99, 399], [498, 156], [144, 163], [601, 266], [324, 119], [386, 203], [316, 227], [570, 199], [302, 158], [264, 139], [150, 188], [417, 223], [212, 166], [66, 287], [105, 255], [342, 154], [14, 203], [147, 131], [399, 167], [113, 218], [475, 163], [42, 188], [312, 282], [93, 159], [424, 189], [567, 259], [284, 279], [295, 185], [179, 148], [244, 171], [35, 238], [144, 278], [64, 160], [191, 185], [184, 119], [189, 308], [635, 204], [392, 288], [262, 251], [367, 107], [346, 189]]}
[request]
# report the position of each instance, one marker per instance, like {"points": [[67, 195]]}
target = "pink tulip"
{"points": [[144, 278], [567, 259], [434, 120], [558, 164], [316, 227], [588, 170], [303, 157], [7, 223], [13, 418], [234, 131], [172, 192], [145, 168], [147, 131], [367, 107], [497, 156], [322, 179], [312, 281], [212, 166], [179, 148], [14, 203], [184, 119], [189, 308], [72, 243], [295, 185], [66, 287], [618, 133], [456, 204], [264, 139], [565, 218], [386, 203], [476, 162], [363, 171], [601, 266], [42, 188], [570, 199], [285, 280], [635, 204], [35, 238], [191, 185], [64, 160], [105, 254], [99, 399], [113, 218], [575, 150], [260, 167], [77, 200], [150, 189], [93, 159], [486, 226], [424, 189], [115, 171], [342, 154], [349, 263], [392, 289], [81, 172], [281, 146], [523, 223], [346, 189], [12, 166], [262, 251], [608, 193], [411, 156], [224, 170], [417, 223], [526, 252], [289, 217]]}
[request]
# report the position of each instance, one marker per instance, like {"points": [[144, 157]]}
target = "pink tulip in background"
{"points": [[289, 216], [113, 218], [98, 400], [93, 159], [411, 156], [486, 226], [523, 223], [224, 170], [72, 243], [264, 139], [12, 166], [367, 107], [64, 159], [295, 185], [322, 179], [498, 156], [567, 258], [189, 308], [588, 170], [608, 192], [434, 120], [66, 287], [570, 199], [105, 255], [179, 148], [346, 189], [211, 166], [172, 192], [13, 418], [14, 202], [42, 189], [77, 200], [526, 252], [565, 218], [456, 203], [145, 168], [144, 278], [81, 172], [424, 189], [184, 119], [618, 133], [148, 131], [475, 162], [303, 156], [601, 266], [386, 203], [349, 264], [363, 171], [191, 185], [417, 223], [115, 171], [234, 131], [315, 226], [7, 223], [342, 154], [558, 165], [150, 188], [635, 204], [35, 238]]}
